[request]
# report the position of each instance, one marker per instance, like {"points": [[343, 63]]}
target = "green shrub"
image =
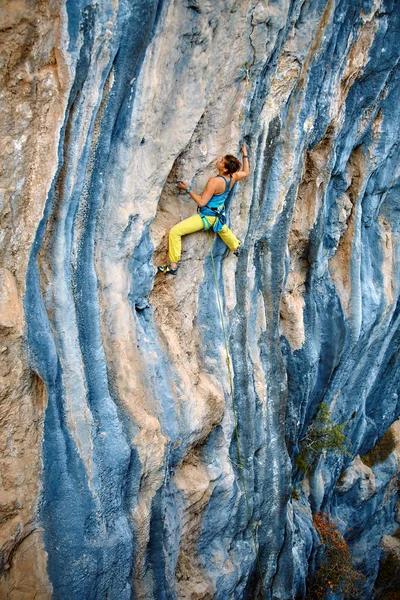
{"points": [[381, 451], [322, 434]]}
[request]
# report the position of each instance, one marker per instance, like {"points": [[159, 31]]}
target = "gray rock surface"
{"points": [[121, 477]]}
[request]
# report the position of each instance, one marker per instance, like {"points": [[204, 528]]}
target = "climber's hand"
{"points": [[182, 185], [243, 149]]}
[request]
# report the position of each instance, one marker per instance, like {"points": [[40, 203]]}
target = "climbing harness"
{"points": [[216, 208], [253, 527], [218, 223]]}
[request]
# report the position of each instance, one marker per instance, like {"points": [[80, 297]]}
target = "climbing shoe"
{"points": [[237, 251], [167, 270]]}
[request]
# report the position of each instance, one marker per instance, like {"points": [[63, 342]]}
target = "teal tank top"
{"points": [[215, 207]]}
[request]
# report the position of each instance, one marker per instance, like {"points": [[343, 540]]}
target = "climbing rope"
{"points": [[235, 421]]}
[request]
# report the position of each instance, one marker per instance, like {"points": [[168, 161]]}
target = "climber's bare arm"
{"points": [[214, 184], [208, 193], [245, 171]]}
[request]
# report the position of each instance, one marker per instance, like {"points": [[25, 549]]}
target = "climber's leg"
{"points": [[230, 240], [190, 225]]}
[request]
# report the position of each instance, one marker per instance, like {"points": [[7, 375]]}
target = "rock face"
{"points": [[120, 474]]}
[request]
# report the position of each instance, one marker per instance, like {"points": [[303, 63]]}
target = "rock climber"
{"points": [[211, 208]]}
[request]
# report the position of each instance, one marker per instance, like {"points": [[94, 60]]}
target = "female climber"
{"points": [[211, 211]]}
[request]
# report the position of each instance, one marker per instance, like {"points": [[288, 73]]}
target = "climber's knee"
{"points": [[174, 231]]}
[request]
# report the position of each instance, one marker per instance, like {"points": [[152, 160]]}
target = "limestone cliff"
{"points": [[119, 457]]}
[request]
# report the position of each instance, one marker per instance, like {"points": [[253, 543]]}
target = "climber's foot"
{"points": [[167, 270], [237, 251]]}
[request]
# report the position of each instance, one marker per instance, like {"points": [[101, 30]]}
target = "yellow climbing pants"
{"points": [[191, 225]]}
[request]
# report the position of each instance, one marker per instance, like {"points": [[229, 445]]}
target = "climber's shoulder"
{"points": [[213, 183], [239, 175]]}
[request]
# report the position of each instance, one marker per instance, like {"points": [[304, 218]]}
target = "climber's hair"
{"points": [[232, 164]]}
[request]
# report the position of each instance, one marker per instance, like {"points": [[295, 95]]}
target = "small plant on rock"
{"points": [[336, 573], [295, 493], [322, 434], [381, 451]]}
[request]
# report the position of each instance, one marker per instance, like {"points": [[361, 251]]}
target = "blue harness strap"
{"points": [[215, 207]]}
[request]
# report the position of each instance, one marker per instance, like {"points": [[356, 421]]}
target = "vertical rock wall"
{"points": [[119, 452]]}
